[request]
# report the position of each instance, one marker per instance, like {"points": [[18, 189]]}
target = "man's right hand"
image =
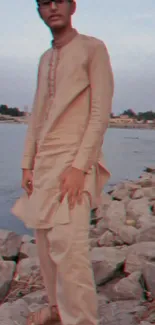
{"points": [[27, 181]]}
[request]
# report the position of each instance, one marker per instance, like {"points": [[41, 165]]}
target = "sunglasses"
{"points": [[47, 2]]}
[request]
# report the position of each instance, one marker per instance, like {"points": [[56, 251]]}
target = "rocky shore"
{"points": [[122, 244]]}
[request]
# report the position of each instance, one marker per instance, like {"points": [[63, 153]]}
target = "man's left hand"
{"points": [[72, 183]]}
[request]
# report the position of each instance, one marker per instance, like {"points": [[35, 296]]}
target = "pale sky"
{"points": [[126, 26]]}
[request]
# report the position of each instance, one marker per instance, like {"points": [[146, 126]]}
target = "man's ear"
{"points": [[73, 7]]}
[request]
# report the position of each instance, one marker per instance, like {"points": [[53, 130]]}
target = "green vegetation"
{"points": [[145, 116], [5, 110]]}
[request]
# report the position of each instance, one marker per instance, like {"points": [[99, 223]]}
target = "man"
{"points": [[63, 171]]}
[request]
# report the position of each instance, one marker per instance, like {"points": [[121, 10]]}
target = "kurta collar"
{"points": [[65, 40]]}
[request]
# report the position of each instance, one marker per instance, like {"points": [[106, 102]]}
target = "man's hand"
{"points": [[72, 183], [27, 181]]}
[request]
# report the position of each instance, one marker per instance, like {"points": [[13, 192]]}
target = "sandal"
{"points": [[44, 316]]}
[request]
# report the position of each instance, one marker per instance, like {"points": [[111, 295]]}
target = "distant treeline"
{"points": [[145, 116], [12, 111]]}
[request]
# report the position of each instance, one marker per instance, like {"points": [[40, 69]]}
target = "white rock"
{"points": [[7, 269], [147, 234], [28, 267], [107, 239], [145, 221], [119, 313], [137, 194], [115, 216], [120, 194], [129, 288], [10, 244], [28, 239], [149, 192], [28, 250], [101, 227], [14, 314], [127, 234], [138, 208], [149, 272], [39, 297], [138, 254], [106, 261], [145, 180]]}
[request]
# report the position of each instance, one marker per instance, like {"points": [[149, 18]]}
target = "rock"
{"points": [[145, 222], [39, 297], [28, 239], [28, 250], [7, 269], [138, 254], [150, 169], [145, 180], [9, 244], [131, 222], [138, 208], [16, 313], [101, 227], [120, 194], [93, 243], [106, 262], [147, 234], [28, 267], [127, 234], [137, 194], [115, 216], [119, 313], [149, 192], [129, 288], [103, 204], [148, 273], [107, 239]]}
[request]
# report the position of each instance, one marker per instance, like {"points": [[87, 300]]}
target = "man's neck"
{"points": [[59, 34], [63, 36]]}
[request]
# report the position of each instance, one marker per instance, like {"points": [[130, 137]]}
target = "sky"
{"points": [[126, 27]]}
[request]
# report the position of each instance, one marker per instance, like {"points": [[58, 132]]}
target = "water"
{"points": [[127, 152]]}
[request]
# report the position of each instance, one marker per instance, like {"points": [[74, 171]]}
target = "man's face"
{"points": [[56, 14]]}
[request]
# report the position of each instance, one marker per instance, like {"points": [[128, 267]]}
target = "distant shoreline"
{"points": [[111, 125]]}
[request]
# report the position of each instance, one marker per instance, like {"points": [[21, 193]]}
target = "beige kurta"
{"points": [[69, 118]]}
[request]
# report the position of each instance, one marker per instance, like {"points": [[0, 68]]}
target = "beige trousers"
{"points": [[66, 267]]}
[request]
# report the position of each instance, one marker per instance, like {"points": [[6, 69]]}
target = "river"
{"points": [[127, 153]]}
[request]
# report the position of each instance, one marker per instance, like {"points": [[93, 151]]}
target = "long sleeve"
{"points": [[101, 89], [30, 141]]}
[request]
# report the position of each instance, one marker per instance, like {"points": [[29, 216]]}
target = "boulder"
{"points": [[106, 261], [146, 234], [7, 269], [28, 267], [137, 255], [149, 192], [149, 276], [138, 208], [10, 244], [28, 250], [120, 194], [119, 313], [16, 313], [28, 239], [115, 216], [107, 239], [145, 180], [39, 297], [127, 234], [137, 194], [129, 288]]}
